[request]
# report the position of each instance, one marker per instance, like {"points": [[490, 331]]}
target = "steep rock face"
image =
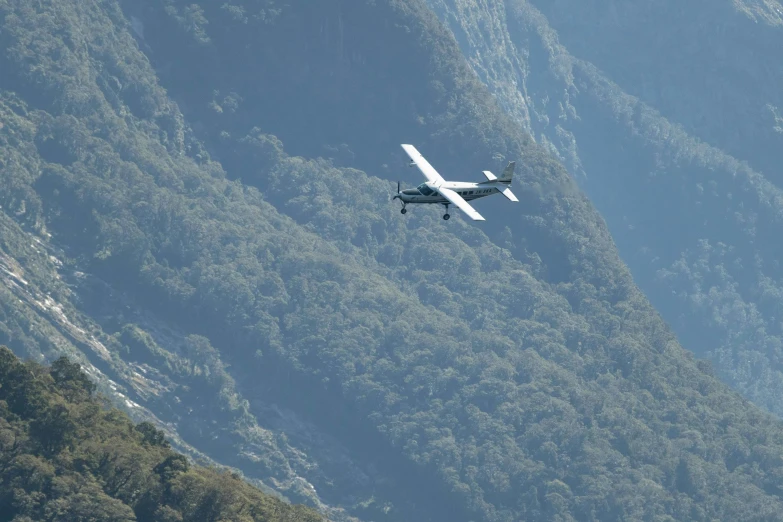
{"points": [[159, 373], [696, 226], [462, 373], [708, 66]]}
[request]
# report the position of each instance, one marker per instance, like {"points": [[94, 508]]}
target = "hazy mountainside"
{"points": [[437, 371], [149, 368], [699, 229], [708, 66], [65, 456]]}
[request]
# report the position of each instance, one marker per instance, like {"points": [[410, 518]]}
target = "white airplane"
{"points": [[438, 190]]}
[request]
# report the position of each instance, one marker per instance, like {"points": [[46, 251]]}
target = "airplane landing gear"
{"points": [[399, 196], [446, 216]]}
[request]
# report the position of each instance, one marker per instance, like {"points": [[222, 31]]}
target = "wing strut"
{"points": [[460, 203]]}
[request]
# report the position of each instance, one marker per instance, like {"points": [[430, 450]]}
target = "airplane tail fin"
{"points": [[508, 172]]}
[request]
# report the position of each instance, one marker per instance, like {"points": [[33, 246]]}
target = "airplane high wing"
{"points": [[460, 203], [424, 166], [437, 190]]}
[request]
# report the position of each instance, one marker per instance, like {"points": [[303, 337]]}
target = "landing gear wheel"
{"points": [[446, 217], [403, 211]]}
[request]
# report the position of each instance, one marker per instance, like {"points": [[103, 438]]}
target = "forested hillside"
{"points": [[218, 180], [668, 117], [65, 456], [708, 66]]}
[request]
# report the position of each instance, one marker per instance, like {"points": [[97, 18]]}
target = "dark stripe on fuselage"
{"points": [[441, 199], [414, 196], [504, 181]]}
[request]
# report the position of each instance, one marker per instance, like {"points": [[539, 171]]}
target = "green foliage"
{"points": [[682, 161], [665, 60], [63, 457], [70, 379], [528, 382]]}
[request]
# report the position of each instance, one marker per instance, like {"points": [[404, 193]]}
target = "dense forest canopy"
{"points": [[674, 135], [65, 456], [703, 66], [676, 167], [506, 371]]}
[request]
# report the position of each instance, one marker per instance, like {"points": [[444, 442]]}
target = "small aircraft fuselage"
{"points": [[438, 190], [425, 194]]}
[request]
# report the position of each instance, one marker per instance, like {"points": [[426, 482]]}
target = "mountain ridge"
{"points": [[559, 387], [696, 226]]}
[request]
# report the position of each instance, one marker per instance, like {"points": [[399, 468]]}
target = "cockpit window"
{"points": [[425, 190]]}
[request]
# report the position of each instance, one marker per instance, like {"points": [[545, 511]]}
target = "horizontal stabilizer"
{"points": [[490, 176], [510, 195]]}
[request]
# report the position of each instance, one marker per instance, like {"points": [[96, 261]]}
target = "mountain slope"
{"points": [[513, 373], [697, 227], [155, 371], [64, 456], [705, 66]]}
